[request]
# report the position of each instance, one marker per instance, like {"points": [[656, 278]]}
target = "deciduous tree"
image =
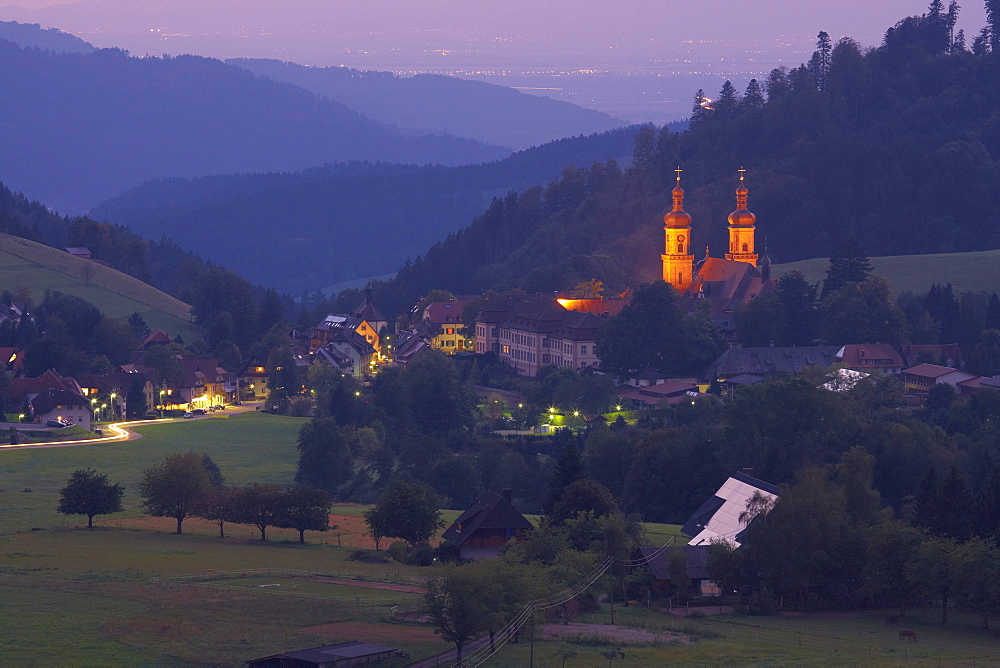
{"points": [[175, 487], [90, 493], [304, 509], [406, 510]]}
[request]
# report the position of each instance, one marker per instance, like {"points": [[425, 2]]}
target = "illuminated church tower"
{"points": [[741, 228], [678, 263]]}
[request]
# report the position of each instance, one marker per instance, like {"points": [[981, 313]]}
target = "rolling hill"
{"points": [[28, 264], [306, 230], [977, 271], [78, 128], [444, 105]]}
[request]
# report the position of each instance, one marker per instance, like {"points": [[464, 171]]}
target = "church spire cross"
{"points": [[678, 170]]}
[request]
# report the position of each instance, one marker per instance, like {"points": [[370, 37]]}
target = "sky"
{"points": [[636, 59]]}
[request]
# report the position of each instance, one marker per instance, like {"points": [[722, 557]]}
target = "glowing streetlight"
{"points": [[618, 408], [576, 413]]}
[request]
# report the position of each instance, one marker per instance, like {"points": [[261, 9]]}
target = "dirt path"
{"points": [[388, 586]]}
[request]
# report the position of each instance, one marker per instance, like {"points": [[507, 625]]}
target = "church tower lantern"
{"points": [[678, 262], [741, 228]]}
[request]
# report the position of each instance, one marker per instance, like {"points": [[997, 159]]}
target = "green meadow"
{"points": [[916, 273], [117, 295], [123, 593]]}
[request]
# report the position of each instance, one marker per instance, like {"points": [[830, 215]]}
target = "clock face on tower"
{"points": [[680, 237]]}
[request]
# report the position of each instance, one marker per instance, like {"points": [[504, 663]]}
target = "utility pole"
{"points": [[531, 653]]}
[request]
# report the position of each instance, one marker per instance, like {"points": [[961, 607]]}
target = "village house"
{"points": [[22, 390], [63, 405], [919, 379], [334, 324], [442, 326], [484, 528], [870, 357], [349, 352], [766, 361]]}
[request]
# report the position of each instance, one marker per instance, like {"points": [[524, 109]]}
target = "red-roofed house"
{"points": [[63, 405], [23, 390], [871, 357], [484, 528], [921, 378], [444, 328]]}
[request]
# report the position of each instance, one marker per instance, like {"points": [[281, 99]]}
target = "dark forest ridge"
{"points": [[84, 127], [441, 104], [307, 230]]}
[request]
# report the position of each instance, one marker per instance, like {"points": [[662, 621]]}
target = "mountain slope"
{"points": [[307, 230], [78, 128], [428, 102], [900, 150], [26, 264], [51, 39]]}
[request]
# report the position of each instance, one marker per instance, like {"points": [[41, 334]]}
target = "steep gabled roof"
{"points": [[718, 517], [492, 511], [366, 311], [449, 312], [355, 340], [764, 361], [870, 355], [157, 337], [50, 380], [49, 399]]}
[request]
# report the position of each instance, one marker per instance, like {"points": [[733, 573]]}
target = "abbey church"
{"points": [[724, 283]]}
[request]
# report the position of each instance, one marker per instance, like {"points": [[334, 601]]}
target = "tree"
{"points": [[140, 330], [460, 603], [406, 510], [647, 332], [175, 487], [728, 102], [89, 493], [257, 504], [753, 99], [304, 509], [592, 289], [993, 24], [862, 312], [677, 568], [819, 64], [891, 548], [584, 496], [217, 506], [848, 264], [700, 109], [977, 577], [799, 300], [932, 570], [569, 468], [760, 321], [324, 455]]}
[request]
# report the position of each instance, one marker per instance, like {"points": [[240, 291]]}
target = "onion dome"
{"points": [[677, 216], [741, 217], [765, 265]]}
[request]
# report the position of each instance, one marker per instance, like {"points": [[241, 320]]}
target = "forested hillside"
{"points": [[304, 231], [77, 128], [895, 146], [435, 103], [51, 39]]}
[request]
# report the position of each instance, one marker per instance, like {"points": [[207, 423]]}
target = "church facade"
{"points": [[723, 283]]}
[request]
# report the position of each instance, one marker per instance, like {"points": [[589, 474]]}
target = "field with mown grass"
{"points": [[117, 295], [122, 593], [916, 273]]}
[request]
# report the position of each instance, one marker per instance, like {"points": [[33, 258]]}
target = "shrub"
{"points": [[369, 557], [399, 551], [300, 407]]}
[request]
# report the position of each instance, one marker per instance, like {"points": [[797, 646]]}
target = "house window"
{"points": [[449, 330], [505, 350], [746, 248]]}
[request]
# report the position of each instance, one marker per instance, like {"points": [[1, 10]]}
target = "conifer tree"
{"points": [[700, 109], [992, 28], [753, 99], [819, 64], [728, 99], [848, 265], [569, 469]]}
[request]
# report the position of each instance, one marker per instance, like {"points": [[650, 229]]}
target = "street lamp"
{"points": [[113, 395], [162, 392], [618, 408]]}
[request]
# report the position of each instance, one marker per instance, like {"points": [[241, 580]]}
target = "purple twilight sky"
{"points": [[638, 59]]}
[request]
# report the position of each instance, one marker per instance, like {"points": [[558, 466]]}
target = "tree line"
{"points": [[191, 485]]}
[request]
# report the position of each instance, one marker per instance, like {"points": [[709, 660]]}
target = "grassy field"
{"points": [[123, 593], [965, 271], [117, 295], [249, 447]]}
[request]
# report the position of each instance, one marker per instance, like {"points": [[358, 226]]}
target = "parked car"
{"points": [[199, 411], [189, 414], [58, 424]]}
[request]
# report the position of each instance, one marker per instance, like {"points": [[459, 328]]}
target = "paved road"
{"points": [[122, 431]]}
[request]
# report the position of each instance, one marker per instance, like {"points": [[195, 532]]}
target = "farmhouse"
{"points": [[483, 529], [659, 561], [719, 517]]}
